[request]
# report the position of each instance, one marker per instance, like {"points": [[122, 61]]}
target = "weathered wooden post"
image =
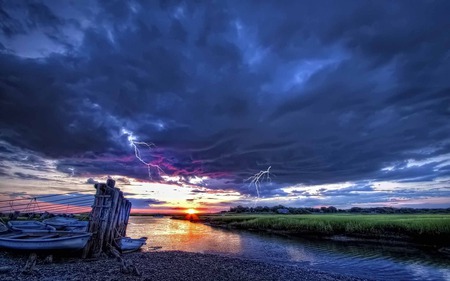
{"points": [[121, 222], [106, 220], [111, 226], [127, 216]]}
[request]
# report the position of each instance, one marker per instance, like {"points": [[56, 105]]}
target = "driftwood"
{"points": [[126, 266], [48, 259], [114, 253], [29, 267]]}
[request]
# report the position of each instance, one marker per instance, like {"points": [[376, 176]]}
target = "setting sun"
{"points": [[191, 211]]}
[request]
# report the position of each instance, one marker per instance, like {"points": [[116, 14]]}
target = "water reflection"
{"points": [[298, 254], [359, 259], [176, 235]]}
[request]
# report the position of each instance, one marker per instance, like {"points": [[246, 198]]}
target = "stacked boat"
{"points": [[57, 233], [67, 224], [34, 235], [30, 226], [52, 240]]}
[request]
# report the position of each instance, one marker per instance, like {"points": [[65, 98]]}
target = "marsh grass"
{"points": [[429, 228]]}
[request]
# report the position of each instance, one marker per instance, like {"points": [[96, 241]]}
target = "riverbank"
{"points": [[161, 266], [433, 230]]}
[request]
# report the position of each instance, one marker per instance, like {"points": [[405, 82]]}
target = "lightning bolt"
{"points": [[149, 165], [256, 179], [137, 153]]}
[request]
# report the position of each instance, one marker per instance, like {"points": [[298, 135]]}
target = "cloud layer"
{"points": [[347, 93]]}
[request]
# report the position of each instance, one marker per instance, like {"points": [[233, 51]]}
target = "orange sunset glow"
{"points": [[191, 211]]}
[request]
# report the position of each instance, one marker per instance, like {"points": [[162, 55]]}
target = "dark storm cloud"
{"points": [[145, 203], [123, 181], [198, 191], [3, 173], [347, 191], [424, 172], [227, 89], [91, 181], [28, 176], [155, 202]]}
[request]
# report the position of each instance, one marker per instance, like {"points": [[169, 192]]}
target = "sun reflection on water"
{"points": [[178, 235]]}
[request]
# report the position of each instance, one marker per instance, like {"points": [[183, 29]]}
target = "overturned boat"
{"points": [[128, 244], [30, 226], [56, 240]]}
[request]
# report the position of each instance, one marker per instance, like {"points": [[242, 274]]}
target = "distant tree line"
{"points": [[280, 209]]}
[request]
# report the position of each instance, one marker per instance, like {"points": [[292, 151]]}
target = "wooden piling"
{"points": [[122, 218], [127, 216], [111, 226], [108, 219]]}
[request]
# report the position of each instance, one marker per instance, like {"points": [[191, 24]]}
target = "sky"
{"points": [[345, 103]]}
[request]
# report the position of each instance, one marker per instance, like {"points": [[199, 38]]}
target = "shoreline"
{"points": [[161, 265], [429, 232], [387, 240]]}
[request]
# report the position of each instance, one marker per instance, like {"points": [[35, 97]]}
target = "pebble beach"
{"points": [[158, 265]]}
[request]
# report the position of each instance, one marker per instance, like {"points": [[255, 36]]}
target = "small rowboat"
{"points": [[60, 240], [69, 224], [128, 244], [30, 226]]}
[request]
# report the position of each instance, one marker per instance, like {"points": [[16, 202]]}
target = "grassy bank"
{"points": [[422, 228]]}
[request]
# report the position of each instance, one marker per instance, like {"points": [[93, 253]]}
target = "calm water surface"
{"points": [[368, 261]]}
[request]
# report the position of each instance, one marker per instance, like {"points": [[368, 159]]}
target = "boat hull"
{"points": [[66, 224], [45, 241], [30, 226], [129, 245]]}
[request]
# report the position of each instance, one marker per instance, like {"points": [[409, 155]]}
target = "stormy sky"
{"points": [[347, 102]]}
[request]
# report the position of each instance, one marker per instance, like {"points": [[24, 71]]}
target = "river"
{"points": [[357, 259]]}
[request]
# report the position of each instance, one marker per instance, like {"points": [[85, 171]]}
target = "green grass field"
{"points": [[424, 228]]}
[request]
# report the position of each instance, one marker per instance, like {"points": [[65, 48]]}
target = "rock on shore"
{"points": [[161, 266]]}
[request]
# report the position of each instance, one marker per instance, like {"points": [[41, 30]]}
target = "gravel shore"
{"points": [[159, 266]]}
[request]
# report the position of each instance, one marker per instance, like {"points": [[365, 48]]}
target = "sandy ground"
{"points": [[158, 266]]}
